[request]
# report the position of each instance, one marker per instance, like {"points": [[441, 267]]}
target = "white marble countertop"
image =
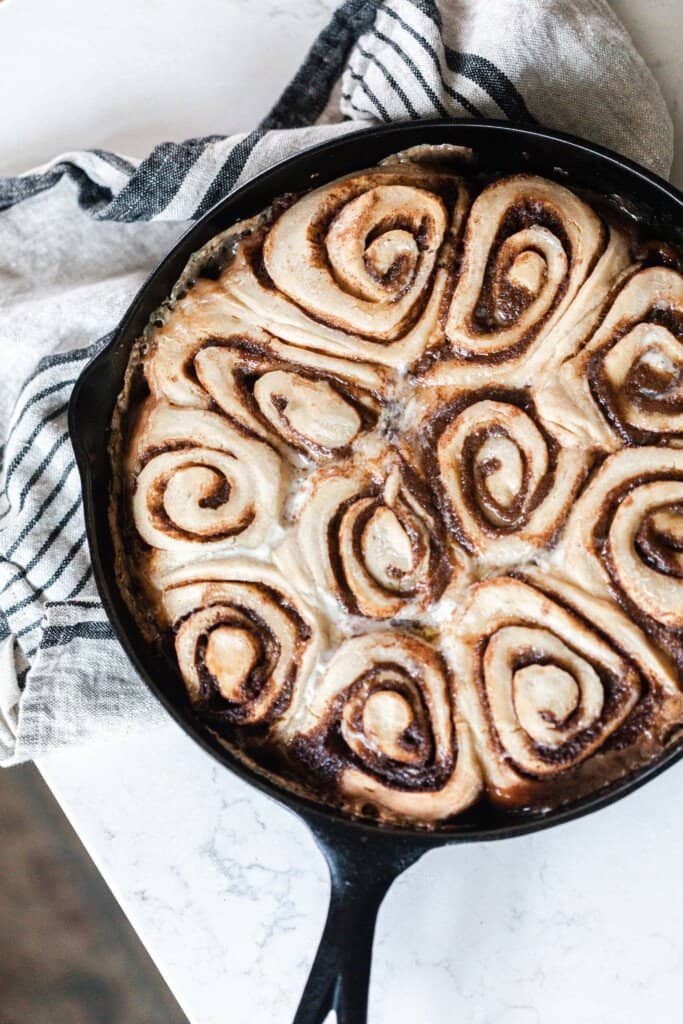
{"points": [[227, 891], [225, 888]]}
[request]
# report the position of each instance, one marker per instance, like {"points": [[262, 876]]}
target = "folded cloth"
{"points": [[79, 235]]}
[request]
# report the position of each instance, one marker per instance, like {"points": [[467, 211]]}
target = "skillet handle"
{"points": [[362, 868]]}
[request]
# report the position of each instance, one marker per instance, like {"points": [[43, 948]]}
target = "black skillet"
{"points": [[364, 858]]}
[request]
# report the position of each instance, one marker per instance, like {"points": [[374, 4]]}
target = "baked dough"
{"points": [[399, 488]]}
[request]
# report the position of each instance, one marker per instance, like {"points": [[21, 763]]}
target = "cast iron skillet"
{"points": [[364, 858]]}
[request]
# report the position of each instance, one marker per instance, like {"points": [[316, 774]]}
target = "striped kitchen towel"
{"points": [[78, 236]]}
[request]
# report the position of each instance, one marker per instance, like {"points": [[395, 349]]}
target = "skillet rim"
{"points": [[323, 817]]}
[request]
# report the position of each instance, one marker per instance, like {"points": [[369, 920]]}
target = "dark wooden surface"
{"points": [[67, 952]]}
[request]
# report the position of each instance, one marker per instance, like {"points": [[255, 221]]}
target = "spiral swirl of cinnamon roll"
{"points": [[557, 685], [245, 642], [358, 269], [625, 535], [370, 535], [625, 385], [380, 730], [198, 484], [536, 257], [504, 483], [359, 253], [297, 409]]}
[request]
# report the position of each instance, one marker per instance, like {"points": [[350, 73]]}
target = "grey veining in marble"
{"points": [[228, 892]]}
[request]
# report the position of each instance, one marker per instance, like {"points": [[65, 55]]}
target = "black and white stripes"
{"points": [[402, 67], [44, 554]]}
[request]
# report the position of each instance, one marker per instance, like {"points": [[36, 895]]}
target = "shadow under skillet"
{"points": [[67, 953]]}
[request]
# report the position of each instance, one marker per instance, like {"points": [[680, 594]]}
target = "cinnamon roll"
{"points": [[197, 485], [504, 483], [296, 408], [536, 258], [380, 732], [563, 692], [625, 385], [398, 488], [245, 642], [625, 537], [371, 537], [359, 269]]}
